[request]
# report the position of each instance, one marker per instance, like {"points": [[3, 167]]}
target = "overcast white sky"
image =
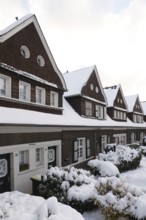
{"points": [[108, 33]]}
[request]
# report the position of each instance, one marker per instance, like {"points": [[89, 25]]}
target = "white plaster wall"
{"points": [[21, 181]]}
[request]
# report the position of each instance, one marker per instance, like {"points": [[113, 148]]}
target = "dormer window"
{"points": [[88, 108], [5, 85], [25, 51]]}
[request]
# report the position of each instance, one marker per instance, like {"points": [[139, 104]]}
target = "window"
{"points": [[38, 155], [99, 112], [54, 99], [132, 138], [88, 108], [23, 160], [25, 51], [5, 86], [40, 60], [79, 149], [40, 95], [24, 91]]}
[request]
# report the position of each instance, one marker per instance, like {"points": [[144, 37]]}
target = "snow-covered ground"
{"points": [[16, 205], [136, 177]]}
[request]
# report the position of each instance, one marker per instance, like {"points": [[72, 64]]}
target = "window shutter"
{"points": [[88, 150], [75, 151]]}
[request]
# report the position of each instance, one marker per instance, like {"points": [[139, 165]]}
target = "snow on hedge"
{"points": [[123, 153], [16, 206], [118, 198], [103, 168]]}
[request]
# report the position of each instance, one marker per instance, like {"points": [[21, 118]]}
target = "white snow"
{"points": [[131, 101], [16, 206], [111, 93], [15, 24], [104, 168], [144, 107], [75, 80], [69, 117]]}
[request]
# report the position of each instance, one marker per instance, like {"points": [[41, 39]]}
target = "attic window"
{"points": [[25, 51], [40, 60], [96, 89], [91, 86]]}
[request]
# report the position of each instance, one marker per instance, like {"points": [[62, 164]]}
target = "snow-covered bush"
{"points": [[118, 199], [143, 150], [60, 182], [124, 158], [134, 145], [103, 168]]}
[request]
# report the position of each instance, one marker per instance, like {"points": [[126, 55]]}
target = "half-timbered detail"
{"points": [[135, 111], [117, 106], [85, 93]]}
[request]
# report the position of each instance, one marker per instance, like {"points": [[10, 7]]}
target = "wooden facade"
{"points": [[49, 119]]}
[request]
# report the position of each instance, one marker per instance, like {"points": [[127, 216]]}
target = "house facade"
{"points": [[49, 118]]}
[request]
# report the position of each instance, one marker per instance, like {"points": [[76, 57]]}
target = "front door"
{"points": [[51, 156], [4, 173]]}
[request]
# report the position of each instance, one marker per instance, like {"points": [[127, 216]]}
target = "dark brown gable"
{"points": [[10, 54], [119, 101], [92, 88], [137, 107]]}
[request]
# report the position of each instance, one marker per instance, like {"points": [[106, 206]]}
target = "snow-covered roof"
{"points": [[111, 93], [144, 107], [26, 74], [22, 23], [131, 100], [69, 118], [75, 80]]}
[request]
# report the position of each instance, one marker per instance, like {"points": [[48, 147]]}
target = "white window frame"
{"points": [[23, 160], [132, 137], [103, 142], [39, 155], [53, 99], [88, 108], [120, 138], [79, 149], [99, 111], [41, 99], [7, 86], [26, 95]]}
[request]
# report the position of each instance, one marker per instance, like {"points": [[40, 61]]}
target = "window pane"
{"points": [[38, 95], [2, 86], [22, 91]]}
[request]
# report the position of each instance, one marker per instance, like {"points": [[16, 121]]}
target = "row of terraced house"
{"points": [[52, 119]]}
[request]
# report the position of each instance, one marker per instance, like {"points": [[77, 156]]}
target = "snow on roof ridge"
{"points": [[80, 69], [74, 83], [111, 92], [15, 23]]}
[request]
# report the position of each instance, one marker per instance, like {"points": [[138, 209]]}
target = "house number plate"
{"points": [[3, 168]]}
